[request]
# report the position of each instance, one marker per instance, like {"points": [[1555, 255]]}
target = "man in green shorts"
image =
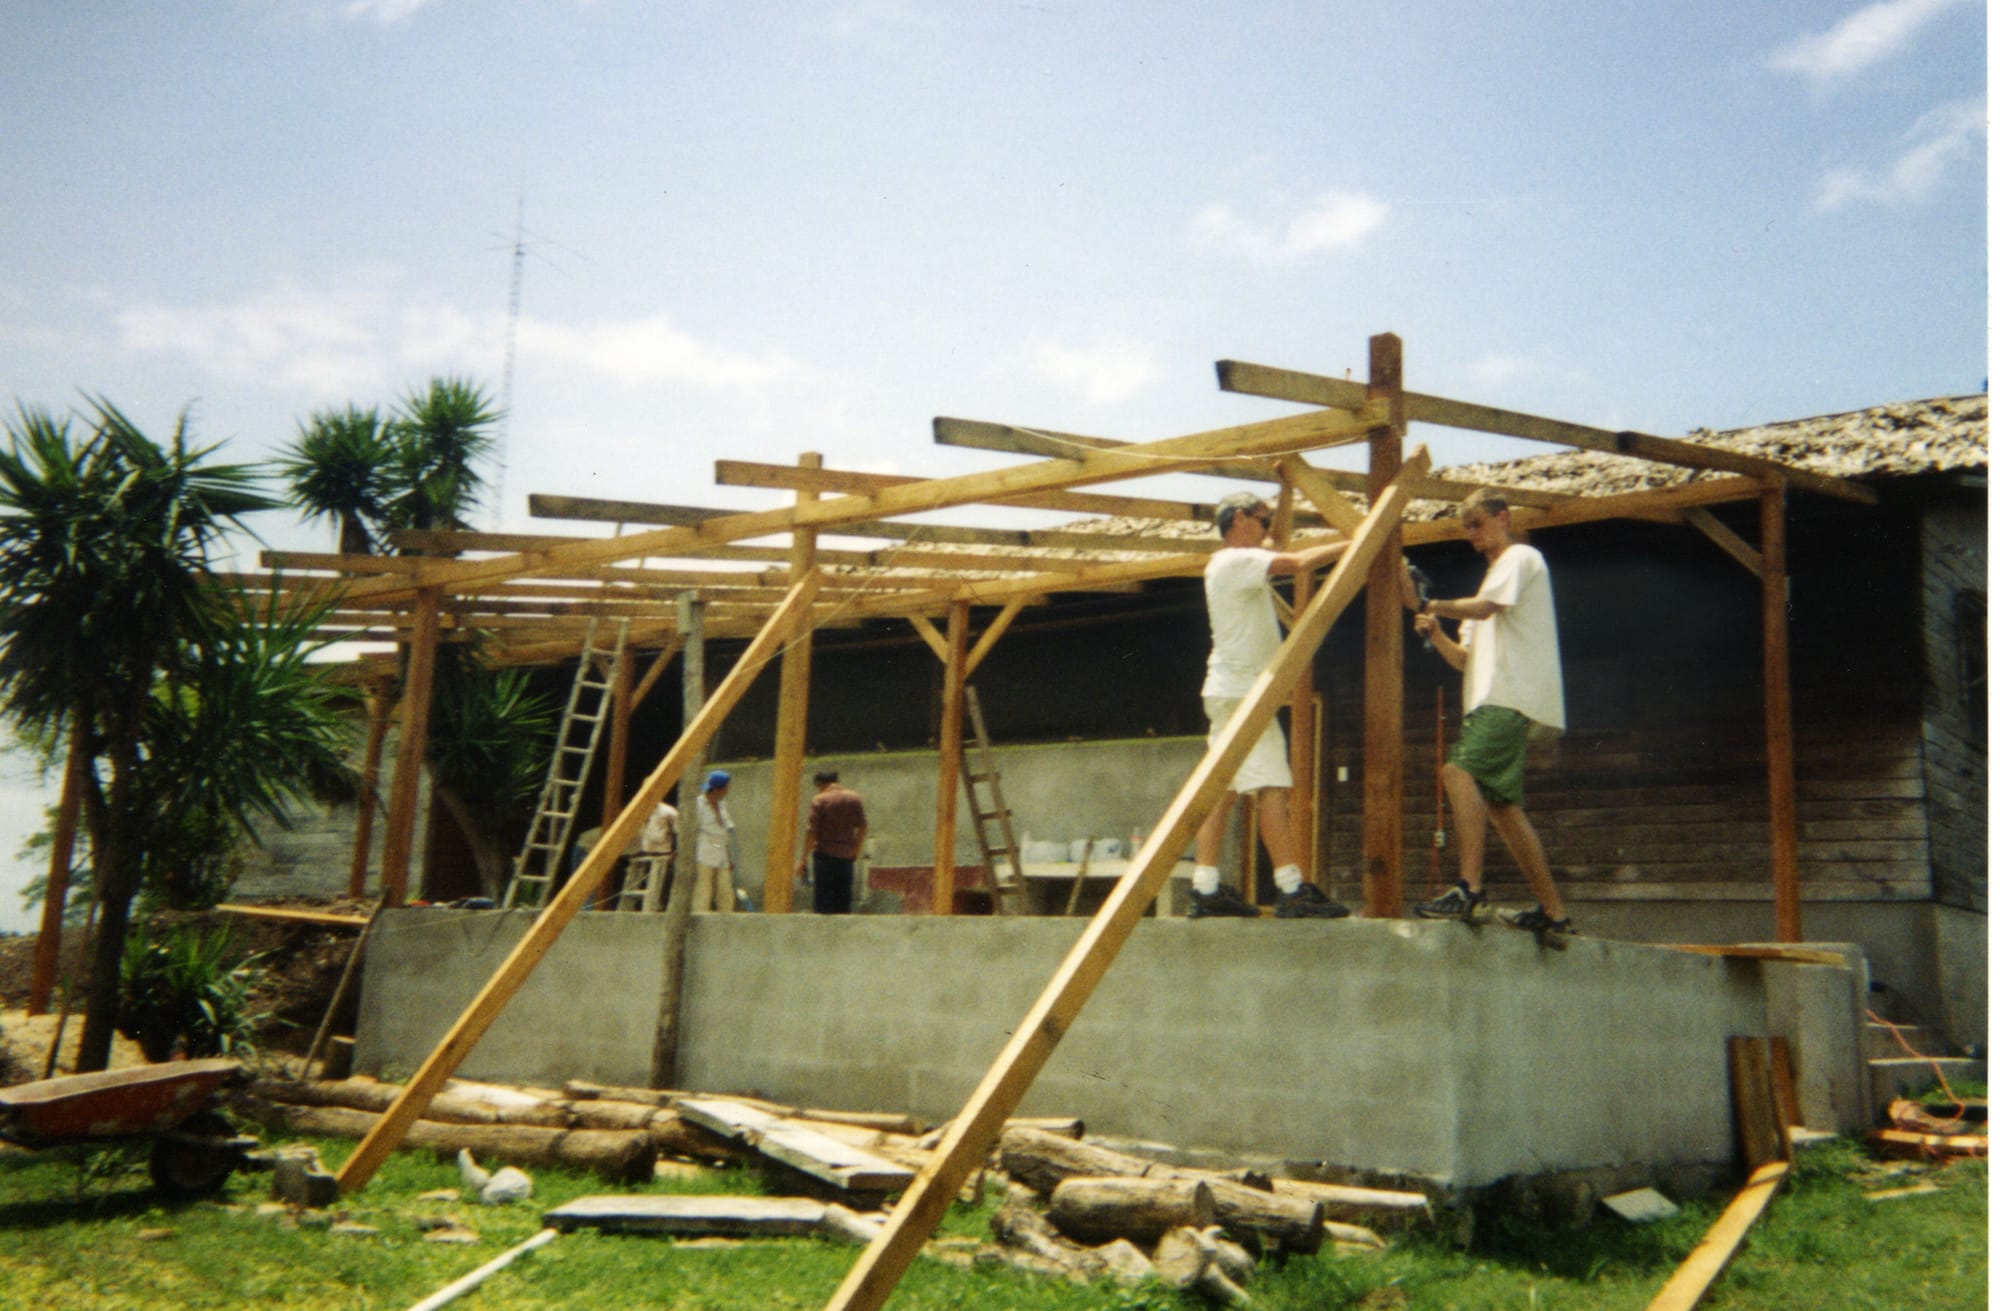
{"points": [[1506, 646]]}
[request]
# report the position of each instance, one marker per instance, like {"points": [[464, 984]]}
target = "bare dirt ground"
{"points": [[295, 969]]}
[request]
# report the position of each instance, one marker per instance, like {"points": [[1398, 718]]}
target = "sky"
{"points": [[749, 230]]}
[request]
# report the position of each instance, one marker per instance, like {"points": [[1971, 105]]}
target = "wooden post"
{"points": [[951, 759], [368, 1156], [691, 617], [1778, 719], [974, 1129], [1382, 680], [380, 705], [788, 752], [1305, 795], [400, 838], [619, 748], [55, 894]]}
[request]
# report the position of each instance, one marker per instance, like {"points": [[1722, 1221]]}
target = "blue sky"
{"points": [[756, 229]]}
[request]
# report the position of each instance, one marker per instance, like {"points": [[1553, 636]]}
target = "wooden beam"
{"points": [[1315, 486], [1657, 504], [1268, 439], [400, 835], [743, 473], [994, 631], [788, 748], [541, 935], [932, 637], [668, 651], [618, 750], [974, 1129], [1704, 522], [974, 435], [1313, 389], [951, 755], [1382, 675], [1781, 775]]}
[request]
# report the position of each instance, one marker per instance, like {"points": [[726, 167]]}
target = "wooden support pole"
{"points": [[788, 752], [549, 924], [994, 632], [380, 705], [1778, 720], [973, 1131], [657, 668], [400, 838], [619, 749], [951, 758], [55, 893], [691, 614], [1382, 678]]}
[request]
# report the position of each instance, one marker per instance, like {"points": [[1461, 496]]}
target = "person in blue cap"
{"points": [[714, 834]]}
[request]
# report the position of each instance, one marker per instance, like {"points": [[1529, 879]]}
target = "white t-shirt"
{"points": [[661, 825], [1511, 658], [712, 829], [1242, 623]]}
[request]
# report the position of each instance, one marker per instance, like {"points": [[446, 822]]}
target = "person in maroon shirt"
{"points": [[836, 826]]}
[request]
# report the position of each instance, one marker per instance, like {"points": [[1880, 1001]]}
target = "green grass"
{"points": [[72, 1238]]}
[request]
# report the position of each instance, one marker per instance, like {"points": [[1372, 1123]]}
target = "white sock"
{"points": [[1288, 879], [1207, 878]]}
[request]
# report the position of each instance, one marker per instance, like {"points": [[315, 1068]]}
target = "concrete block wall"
{"points": [[1389, 1047]]}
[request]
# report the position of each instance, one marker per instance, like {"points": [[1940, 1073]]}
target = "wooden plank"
{"points": [[975, 1128], [1789, 955], [1313, 389], [727, 1217], [1760, 1131], [1719, 1245], [994, 632], [809, 1151], [286, 915], [583, 883]]}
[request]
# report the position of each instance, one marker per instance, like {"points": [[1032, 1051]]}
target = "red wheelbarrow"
{"points": [[194, 1148]]}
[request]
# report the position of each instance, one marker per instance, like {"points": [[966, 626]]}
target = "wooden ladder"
{"points": [[544, 855], [993, 821]]}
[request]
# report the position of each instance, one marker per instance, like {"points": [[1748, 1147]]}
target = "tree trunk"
{"points": [[1099, 1210], [116, 875], [489, 856], [619, 1155]]}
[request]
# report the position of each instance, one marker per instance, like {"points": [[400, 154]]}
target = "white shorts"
{"points": [[1269, 764]]}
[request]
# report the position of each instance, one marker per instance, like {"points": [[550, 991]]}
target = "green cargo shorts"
{"points": [[1492, 746]]}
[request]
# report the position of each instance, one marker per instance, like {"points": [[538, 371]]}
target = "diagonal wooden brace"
{"points": [[976, 1127]]}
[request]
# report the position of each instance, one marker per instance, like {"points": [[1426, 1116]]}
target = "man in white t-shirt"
{"points": [[1243, 631], [1507, 648]]}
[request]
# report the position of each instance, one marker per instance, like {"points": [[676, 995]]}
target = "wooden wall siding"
{"points": [[1954, 742], [1658, 790]]}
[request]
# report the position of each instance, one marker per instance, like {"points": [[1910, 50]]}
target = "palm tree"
{"points": [[443, 435], [104, 546], [340, 469]]}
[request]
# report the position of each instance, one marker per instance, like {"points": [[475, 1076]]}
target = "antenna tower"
{"points": [[507, 366]]}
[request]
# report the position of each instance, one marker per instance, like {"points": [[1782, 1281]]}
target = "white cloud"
{"points": [[1942, 139], [325, 344], [1491, 370], [654, 352], [1334, 220], [1106, 371], [1861, 40]]}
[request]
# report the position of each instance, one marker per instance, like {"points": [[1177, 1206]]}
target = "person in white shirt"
{"points": [[714, 846], [1506, 646], [1243, 631]]}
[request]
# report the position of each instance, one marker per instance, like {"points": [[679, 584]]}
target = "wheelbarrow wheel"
{"points": [[196, 1158]]}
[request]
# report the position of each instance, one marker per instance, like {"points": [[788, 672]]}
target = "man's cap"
{"points": [[1232, 505], [718, 779], [827, 776]]}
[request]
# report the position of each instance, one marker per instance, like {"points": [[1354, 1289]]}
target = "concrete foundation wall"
{"points": [[1404, 1048]]}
